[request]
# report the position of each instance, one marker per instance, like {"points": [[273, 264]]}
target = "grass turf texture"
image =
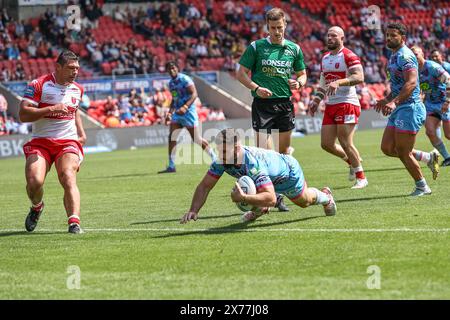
{"points": [[280, 256]]}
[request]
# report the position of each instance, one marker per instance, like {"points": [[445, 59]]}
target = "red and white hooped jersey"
{"points": [[335, 67], [43, 92]]}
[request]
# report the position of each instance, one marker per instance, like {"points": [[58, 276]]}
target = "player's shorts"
{"points": [[189, 119], [341, 113], [408, 118], [434, 110], [294, 187], [273, 114], [52, 149]]}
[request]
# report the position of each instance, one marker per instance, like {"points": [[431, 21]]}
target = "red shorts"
{"points": [[52, 149], [341, 113]]}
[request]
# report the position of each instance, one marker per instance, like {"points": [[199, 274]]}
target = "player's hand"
{"points": [[380, 105], [191, 215], [263, 92], [312, 108], [387, 110], [168, 119], [236, 193], [445, 107], [82, 138], [182, 110], [294, 84], [60, 108], [332, 88]]}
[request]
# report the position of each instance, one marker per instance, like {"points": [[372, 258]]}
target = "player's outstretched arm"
{"points": [[265, 197], [30, 113], [199, 198]]}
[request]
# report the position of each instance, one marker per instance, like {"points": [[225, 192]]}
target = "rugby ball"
{"points": [[248, 186]]}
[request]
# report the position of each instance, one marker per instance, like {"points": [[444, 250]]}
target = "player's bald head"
{"points": [[338, 30], [335, 38]]}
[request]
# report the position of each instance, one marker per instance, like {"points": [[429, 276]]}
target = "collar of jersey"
{"points": [[275, 44]]}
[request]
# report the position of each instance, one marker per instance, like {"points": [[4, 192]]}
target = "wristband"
{"points": [[256, 89]]}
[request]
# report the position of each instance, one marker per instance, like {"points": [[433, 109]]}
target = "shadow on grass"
{"points": [[28, 234], [235, 228], [177, 220], [372, 198], [121, 176], [385, 169]]}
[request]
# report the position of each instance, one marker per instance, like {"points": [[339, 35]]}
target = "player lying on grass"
{"points": [[271, 171]]}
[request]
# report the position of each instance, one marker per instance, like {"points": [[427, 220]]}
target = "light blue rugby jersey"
{"points": [[399, 62], [178, 89], [430, 82], [265, 167]]}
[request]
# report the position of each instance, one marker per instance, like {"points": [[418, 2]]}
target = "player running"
{"points": [[341, 71], [51, 102], [182, 113], [435, 84], [408, 115], [271, 171]]}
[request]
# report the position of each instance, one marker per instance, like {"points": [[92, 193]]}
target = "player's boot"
{"points": [[351, 174], [168, 170], [32, 218], [418, 192], [75, 228], [433, 164], [360, 183], [329, 208], [280, 204], [445, 163]]}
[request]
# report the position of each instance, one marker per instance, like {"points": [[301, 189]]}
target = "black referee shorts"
{"points": [[277, 113]]}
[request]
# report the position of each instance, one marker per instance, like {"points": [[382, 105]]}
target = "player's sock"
{"points": [[172, 161], [440, 146], [421, 184], [422, 156], [37, 207], [359, 172], [321, 197], [74, 219]]}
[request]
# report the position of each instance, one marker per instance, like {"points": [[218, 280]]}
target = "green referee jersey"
{"points": [[273, 64]]}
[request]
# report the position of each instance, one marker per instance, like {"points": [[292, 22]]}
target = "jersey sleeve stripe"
{"points": [[264, 185]]}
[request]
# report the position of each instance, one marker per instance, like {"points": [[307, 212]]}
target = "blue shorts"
{"points": [[434, 110], [189, 119], [294, 187], [408, 118]]}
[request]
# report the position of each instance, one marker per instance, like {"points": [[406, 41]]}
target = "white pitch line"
{"points": [[213, 230]]}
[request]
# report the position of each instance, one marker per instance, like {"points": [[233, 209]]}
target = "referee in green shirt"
{"points": [[271, 62]]}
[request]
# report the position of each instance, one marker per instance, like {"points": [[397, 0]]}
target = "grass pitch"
{"points": [[135, 248]]}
